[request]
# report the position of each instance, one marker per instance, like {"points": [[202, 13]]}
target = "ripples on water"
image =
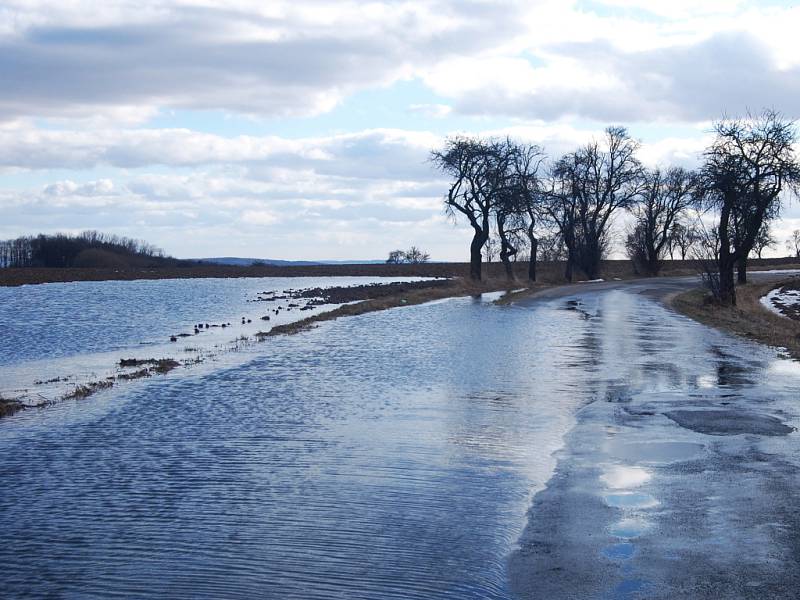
{"points": [[391, 455], [66, 319]]}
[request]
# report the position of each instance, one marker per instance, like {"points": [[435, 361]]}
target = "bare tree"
{"points": [[528, 197], [706, 255], [764, 239], [507, 224], [561, 206], [516, 207], [682, 237], [589, 186], [396, 257], [793, 243], [551, 248], [665, 197], [478, 169], [416, 256], [749, 165], [490, 250], [411, 256]]}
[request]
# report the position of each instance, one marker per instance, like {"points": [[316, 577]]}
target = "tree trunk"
{"points": [[532, 262], [727, 260], [727, 289], [509, 268], [476, 254], [592, 266], [653, 263], [742, 270], [506, 249], [568, 269]]}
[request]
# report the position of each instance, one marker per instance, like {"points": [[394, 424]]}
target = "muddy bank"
{"points": [[376, 298]]}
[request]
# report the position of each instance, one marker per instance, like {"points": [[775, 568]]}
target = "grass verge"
{"points": [[747, 319]]}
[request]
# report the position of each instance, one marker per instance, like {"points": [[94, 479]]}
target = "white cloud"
{"points": [[83, 84], [436, 111], [292, 58]]}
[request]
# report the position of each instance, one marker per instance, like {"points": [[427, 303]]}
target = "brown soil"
{"points": [[13, 277], [548, 271], [749, 318]]}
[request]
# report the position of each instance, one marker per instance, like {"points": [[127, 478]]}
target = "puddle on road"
{"points": [[629, 528], [654, 452], [631, 500], [621, 551], [623, 477], [729, 422]]}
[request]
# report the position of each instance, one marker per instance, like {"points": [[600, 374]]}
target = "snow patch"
{"points": [[778, 299]]}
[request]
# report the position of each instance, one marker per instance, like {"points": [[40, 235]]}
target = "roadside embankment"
{"points": [[749, 318]]}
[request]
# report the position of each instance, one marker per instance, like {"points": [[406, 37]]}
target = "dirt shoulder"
{"points": [[749, 318]]}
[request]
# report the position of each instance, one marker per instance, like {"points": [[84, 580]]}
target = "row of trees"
{"points": [[514, 192], [412, 256], [62, 250]]}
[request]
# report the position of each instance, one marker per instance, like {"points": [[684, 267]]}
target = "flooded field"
{"points": [[391, 455], [57, 336]]}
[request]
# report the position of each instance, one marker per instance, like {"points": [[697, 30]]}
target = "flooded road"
{"points": [[680, 477], [457, 449]]}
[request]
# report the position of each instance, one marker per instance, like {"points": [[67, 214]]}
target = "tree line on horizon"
{"points": [[86, 249], [721, 212]]}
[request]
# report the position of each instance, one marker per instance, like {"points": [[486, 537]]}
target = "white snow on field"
{"points": [[775, 271], [777, 298]]}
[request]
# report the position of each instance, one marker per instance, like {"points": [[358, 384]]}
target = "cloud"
{"points": [[435, 111], [727, 73], [90, 90], [101, 187], [284, 59], [276, 197]]}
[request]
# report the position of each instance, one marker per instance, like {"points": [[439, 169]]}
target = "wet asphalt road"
{"points": [[681, 476]]}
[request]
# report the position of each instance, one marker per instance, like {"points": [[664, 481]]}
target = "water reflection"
{"points": [[623, 476]]}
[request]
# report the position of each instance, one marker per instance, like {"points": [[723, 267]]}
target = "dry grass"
{"points": [[84, 391], [748, 319], [153, 365]]}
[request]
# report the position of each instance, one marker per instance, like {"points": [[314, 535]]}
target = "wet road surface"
{"points": [[588, 443], [680, 478]]}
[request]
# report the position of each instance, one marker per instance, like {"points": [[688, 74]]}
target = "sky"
{"points": [[301, 129]]}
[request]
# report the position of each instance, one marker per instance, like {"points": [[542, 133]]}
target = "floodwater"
{"points": [[390, 455], [68, 319], [60, 335]]}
